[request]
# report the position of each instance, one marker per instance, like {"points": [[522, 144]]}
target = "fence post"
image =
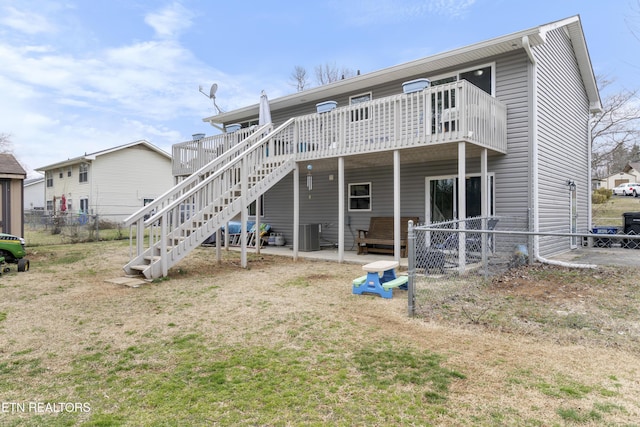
{"points": [[411, 246]]}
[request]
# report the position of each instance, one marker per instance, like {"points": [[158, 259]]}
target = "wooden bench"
{"points": [[379, 237]]}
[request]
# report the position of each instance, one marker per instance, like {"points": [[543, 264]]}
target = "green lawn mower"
{"points": [[12, 251]]}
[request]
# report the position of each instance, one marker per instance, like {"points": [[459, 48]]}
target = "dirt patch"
{"points": [[525, 335], [553, 283]]}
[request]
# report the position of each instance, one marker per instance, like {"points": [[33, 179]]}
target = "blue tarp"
{"points": [[235, 227]]}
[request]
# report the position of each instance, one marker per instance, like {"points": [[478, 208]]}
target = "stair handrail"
{"points": [[181, 198], [176, 190]]}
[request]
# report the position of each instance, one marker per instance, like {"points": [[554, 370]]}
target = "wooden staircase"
{"points": [[169, 228]]}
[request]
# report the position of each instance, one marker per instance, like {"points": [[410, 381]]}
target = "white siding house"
{"points": [[111, 183], [34, 194], [630, 173], [502, 129]]}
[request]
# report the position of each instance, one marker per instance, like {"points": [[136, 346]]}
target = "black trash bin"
{"points": [[632, 227]]}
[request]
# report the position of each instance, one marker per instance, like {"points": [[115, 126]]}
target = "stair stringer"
{"points": [[181, 246]]}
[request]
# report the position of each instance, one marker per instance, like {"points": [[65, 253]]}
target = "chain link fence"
{"points": [[75, 227], [440, 272]]}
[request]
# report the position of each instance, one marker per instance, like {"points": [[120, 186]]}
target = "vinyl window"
{"points": [[360, 196]]}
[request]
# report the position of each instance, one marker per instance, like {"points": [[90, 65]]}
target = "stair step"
{"points": [[214, 214]]}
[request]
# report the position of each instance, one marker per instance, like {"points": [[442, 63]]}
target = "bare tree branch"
{"points": [[615, 131], [299, 78], [633, 21], [6, 146], [329, 73]]}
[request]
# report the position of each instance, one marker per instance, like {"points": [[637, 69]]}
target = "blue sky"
{"points": [[80, 76]]}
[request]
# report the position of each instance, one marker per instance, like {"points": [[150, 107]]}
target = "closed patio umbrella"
{"points": [[264, 115]]}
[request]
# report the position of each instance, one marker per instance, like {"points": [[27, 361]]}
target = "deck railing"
{"points": [[450, 112], [190, 156]]}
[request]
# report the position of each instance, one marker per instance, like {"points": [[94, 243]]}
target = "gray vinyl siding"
{"points": [[320, 205], [512, 179], [512, 171], [562, 135], [563, 114]]}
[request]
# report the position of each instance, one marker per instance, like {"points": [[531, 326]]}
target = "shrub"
{"points": [[600, 195]]}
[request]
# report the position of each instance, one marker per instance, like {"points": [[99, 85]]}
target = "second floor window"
{"points": [[83, 173], [361, 113], [49, 176]]}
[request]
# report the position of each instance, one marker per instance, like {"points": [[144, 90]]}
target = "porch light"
{"points": [[571, 184]]}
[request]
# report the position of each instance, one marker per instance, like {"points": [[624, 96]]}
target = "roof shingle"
{"points": [[9, 165]]}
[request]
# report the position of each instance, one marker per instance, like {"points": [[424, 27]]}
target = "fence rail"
{"points": [[437, 266], [74, 227]]}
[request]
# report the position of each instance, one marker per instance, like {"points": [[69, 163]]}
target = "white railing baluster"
{"points": [[450, 112]]}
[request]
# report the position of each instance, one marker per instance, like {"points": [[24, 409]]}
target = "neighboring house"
{"points": [[630, 173], [111, 183], [633, 168], [510, 115], [34, 195], [12, 176]]}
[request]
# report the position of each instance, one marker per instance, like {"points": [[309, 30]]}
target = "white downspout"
{"points": [[534, 166], [589, 154], [534, 147]]}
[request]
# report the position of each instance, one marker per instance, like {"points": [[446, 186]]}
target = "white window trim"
{"points": [[81, 172], [349, 197], [362, 113], [428, 179], [359, 95], [457, 73]]}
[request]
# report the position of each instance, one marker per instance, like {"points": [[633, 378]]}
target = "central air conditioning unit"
{"points": [[309, 237]]}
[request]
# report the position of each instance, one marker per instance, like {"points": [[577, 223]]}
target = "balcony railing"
{"points": [[190, 156], [451, 112]]}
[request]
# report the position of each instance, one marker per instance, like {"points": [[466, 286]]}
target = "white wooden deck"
{"points": [[442, 114]]}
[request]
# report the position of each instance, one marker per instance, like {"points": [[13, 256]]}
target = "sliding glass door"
{"points": [[442, 197]]}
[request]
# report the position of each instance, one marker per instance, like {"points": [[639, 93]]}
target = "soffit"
{"points": [[425, 66], [92, 156]]}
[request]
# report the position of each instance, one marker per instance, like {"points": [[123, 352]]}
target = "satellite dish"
{"points": [[212, 95]]}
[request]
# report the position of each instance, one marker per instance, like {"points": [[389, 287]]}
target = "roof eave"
{"points": [[427, 65], [93, 156], [576, 34], [64, 163]]}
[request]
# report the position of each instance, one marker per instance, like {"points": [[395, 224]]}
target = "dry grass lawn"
{"points": [[62, 319]]}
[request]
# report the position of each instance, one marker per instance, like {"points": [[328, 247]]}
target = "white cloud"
{"points": [[364, 12], [57, 103], [25, 22], [170, 21]]}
